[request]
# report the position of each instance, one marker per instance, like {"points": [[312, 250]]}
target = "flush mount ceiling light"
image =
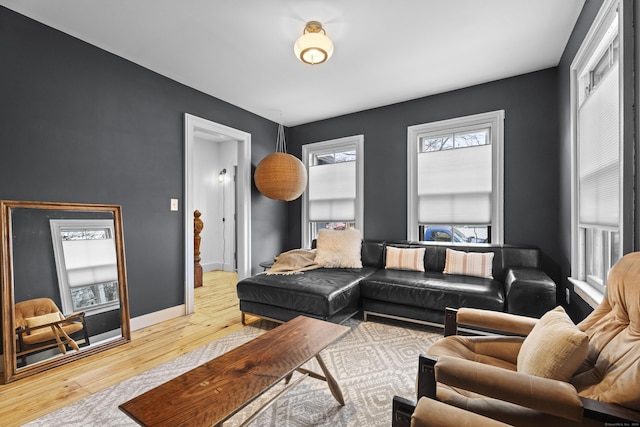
{"points": [[313, 47]]}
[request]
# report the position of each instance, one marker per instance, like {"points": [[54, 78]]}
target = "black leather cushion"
{"points": [[373, 253], [321, 292], [433, 290]]}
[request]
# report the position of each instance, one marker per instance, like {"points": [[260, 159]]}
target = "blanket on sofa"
{"points": [[294, 262]]}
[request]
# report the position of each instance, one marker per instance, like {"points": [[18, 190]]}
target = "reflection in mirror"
{"points": [[63, 282]]}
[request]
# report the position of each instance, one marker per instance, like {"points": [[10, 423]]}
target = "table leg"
{"points": [[288, 378], [333, 385]]}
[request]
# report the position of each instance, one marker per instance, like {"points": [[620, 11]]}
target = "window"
{"points": [[598, 157], [455, 179], [85, 258], [333, 198]]}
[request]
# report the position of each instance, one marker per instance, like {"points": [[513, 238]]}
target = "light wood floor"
{"points": [[216, 315]]}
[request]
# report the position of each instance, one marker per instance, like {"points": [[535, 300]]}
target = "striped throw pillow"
{"points": [[469, 263], [405, 259]]}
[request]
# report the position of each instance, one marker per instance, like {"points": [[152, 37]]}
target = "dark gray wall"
{"points": [[78, 124], [530, 153]]}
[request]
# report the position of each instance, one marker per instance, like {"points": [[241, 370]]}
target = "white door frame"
{"points": [[243, 221]]}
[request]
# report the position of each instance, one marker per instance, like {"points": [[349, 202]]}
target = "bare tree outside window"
{"points": [[455, 140]]}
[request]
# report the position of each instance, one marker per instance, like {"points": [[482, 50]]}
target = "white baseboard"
{"points": [[218, 266], [157, 317], [211, 266]]}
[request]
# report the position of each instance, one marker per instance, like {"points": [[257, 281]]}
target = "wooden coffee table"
{"points": [[213, 392]]}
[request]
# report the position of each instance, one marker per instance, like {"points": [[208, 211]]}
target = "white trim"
{"points": [[156, 317], [327, 146], [588, 48], [243, 177], [495, 119], [588, 293]]}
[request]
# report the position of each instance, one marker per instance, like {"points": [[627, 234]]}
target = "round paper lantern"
{"points": [[281, 176]]}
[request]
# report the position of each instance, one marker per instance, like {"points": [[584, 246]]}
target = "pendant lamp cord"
{"points": [[281, 143]]}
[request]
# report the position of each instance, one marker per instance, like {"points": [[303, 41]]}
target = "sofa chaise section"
{"points": [[331, 294], [327, 294]]}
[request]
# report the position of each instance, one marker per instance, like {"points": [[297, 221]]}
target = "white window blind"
{"points": [[599, 154], [332, 192], [454, 186], [90, 261]]}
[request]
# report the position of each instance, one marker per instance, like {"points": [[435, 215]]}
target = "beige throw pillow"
{"points": [[339, 248], [405, 259], [554, 348], [469, 263]]}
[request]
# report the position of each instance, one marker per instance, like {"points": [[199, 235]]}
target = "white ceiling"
{"points": [[241, 51]]}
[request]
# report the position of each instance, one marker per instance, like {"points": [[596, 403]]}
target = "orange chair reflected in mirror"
{"points": [[41, 326]]}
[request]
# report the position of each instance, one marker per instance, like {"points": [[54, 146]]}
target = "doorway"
{"points": [[197, 128], [214, 177]]}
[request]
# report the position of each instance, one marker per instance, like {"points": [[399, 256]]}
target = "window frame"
{"points": [[493, 120], [591, 293], [57, 226], [355, 142]]}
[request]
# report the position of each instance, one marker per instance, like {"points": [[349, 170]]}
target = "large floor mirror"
{"points": [[64, 284]]}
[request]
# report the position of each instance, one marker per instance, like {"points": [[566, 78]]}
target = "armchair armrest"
{"points": [[430, 412], [75, 316], [542, 394], [402, 411], [79, 316], [487, 319], [609, 412]]}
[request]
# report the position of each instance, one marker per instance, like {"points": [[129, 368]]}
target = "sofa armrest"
{"points": [[553, 397], [529, 292], [487, 320]]}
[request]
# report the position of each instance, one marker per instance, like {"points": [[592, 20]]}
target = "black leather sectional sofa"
{"points": [[519, 286]]}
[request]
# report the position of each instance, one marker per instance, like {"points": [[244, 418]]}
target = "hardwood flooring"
{"points": [[216, 315]]}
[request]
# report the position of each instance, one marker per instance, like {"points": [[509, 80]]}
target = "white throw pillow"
{"points": [[339, 248]]}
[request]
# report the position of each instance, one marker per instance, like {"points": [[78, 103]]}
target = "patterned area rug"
{"points": [[372, 363]]}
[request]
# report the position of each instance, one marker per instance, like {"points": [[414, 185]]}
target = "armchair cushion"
{"points": [[554, 349], [611, 372], [497, 351]]}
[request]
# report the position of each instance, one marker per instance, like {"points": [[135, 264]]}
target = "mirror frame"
{"points": [[11, 372]]}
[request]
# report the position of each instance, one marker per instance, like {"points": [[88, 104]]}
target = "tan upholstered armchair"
{"points": [[40, 326], [556, 373]]}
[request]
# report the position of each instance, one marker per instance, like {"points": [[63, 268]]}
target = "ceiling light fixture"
{"points": [[313, 47]]}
